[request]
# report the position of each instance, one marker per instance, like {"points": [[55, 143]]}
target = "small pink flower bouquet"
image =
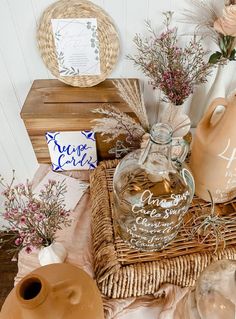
{"points": [[172, 68], [33, 220]]}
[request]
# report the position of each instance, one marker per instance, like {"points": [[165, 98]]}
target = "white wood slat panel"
{"points": [[99, 2], [6, 167], [40, 6], [26, 31], [12, 149], [155, 10], [178, 8], [12, 55], [25, 157], [6, 173], [136, 14]]}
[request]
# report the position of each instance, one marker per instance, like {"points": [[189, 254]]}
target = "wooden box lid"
{"points": [[52, 98], [54, 106]]}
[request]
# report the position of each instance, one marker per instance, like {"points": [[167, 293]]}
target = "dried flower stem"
{"points": [[117, 123], [130, 93]]}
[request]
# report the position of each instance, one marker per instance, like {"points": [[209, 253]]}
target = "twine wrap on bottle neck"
{"points": [[160, 134]]}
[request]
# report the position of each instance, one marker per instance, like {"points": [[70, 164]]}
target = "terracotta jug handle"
{"points": [[69, 289], [207, 118]]}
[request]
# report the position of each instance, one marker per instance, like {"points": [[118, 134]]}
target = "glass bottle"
{"points": [[214, 295], [152, 191]]}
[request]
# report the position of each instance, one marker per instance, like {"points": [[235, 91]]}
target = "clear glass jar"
{"points": [[152, 192], [214, 295]]}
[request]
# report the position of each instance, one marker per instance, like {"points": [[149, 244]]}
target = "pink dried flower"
{"points": [[28, 249], [22, 219], [171, 68], [5, 193], [34, 206], [20, 187], [33, 222], [6, 215], [18, 241], [39, 217], [52, 182], [21, 233]]}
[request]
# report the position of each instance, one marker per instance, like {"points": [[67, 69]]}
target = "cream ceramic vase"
{"points": [[53, 254], [213, 158]]}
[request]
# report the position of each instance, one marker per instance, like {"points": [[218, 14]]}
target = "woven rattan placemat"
{"points": [[123, 272], [109, 45]]}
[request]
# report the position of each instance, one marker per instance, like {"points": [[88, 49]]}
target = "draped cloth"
{"points": [[78, 243]]}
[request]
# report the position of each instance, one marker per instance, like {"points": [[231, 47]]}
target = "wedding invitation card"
{"points": [[77, 46]]}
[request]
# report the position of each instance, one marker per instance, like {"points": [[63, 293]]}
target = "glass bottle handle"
{"points": [[179, 150]]}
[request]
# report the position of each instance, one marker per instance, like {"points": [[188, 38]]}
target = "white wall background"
{"points": [[20, 64]]}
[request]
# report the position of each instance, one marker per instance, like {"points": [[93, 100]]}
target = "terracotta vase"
{"points": [[213, 158], [57, 291]]}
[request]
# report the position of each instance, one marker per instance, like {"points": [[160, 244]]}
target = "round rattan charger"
{"points": [[107, 35]]}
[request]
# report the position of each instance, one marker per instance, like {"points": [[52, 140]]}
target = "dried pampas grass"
{"points": [[203, 14], [115, 123], [131, 95]]}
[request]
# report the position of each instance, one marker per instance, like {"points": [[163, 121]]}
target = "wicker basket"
{"points": [[123, 272], [107, 34]]}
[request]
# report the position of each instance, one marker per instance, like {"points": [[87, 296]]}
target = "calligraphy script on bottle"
{"points": [[157, 220], [72, 150], [229, 156]]}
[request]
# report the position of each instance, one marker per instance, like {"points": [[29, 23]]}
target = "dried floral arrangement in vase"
{"points": [[173, 69], [33, 221], [216, 20], [149, 177], [154, 171]]}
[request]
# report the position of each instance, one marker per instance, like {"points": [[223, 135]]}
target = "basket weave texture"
{"points": [[107, 35], [122, 272]]}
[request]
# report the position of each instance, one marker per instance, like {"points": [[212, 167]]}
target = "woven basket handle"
{"points": [[206, 121]]}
